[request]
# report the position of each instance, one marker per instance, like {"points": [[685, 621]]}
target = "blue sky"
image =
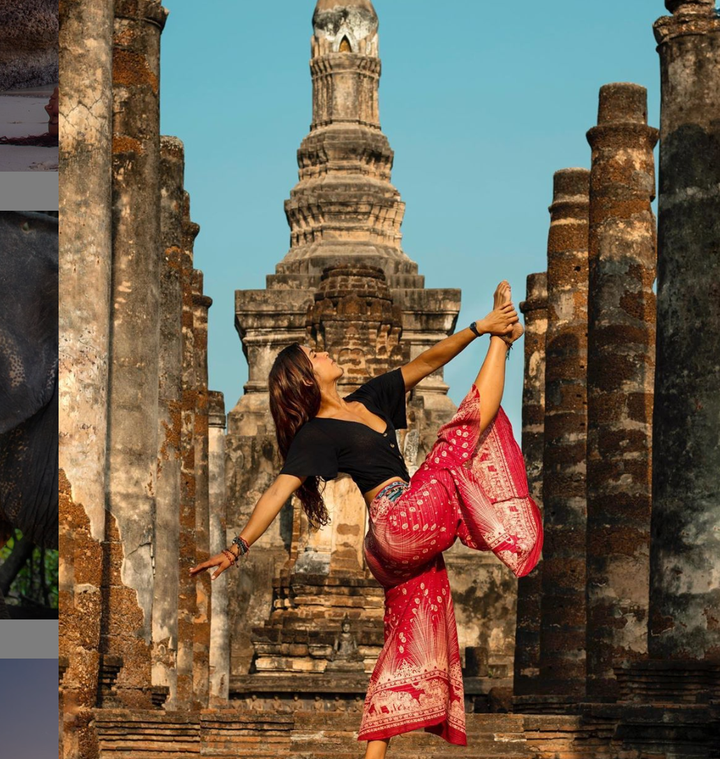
{"points": [[29, 708], [481, 102]]}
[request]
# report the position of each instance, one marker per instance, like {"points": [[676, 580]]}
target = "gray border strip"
{"points": [[29, 190], [29, 639]]}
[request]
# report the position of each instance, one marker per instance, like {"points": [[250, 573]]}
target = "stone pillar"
{"points": [[133, 396], [167, 528], [84, 327], [562, 633], [187, 601], [527, 631], [685, 547], [201, 657], [219, 539], [621, 366]]}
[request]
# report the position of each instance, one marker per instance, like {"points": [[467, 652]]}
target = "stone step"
{"points": [[490, 736], [229, 734]]}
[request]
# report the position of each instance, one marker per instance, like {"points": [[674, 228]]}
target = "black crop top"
{"points": [[323, 447]]}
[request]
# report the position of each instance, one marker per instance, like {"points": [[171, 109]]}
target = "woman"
{"points": [[471, 486]]}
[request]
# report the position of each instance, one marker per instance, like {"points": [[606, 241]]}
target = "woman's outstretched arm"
{"points": [[498, 322], [265, 511]]}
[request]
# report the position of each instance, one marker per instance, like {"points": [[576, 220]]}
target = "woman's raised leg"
{"points": [[490, 381]]}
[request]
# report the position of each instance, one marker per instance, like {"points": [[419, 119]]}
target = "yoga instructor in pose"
{"points": [[472, 486]]}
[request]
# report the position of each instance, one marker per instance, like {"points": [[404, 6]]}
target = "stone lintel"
{"points": [[296, 280], [350, 683], [260, 309]]}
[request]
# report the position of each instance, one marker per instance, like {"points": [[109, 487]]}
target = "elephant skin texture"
{"points": [[28, 378], [28, 43]]}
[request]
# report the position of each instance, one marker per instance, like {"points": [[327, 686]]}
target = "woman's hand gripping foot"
{"points": [[503, 296], [502, 321]]}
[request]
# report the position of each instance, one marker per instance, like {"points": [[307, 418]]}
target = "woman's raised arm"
{"points": [[498, 322], [265, 511]]}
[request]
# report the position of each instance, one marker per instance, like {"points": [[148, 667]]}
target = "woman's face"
{"points": [[324, 368]]}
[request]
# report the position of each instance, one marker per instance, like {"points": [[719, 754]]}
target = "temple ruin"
{"points": [[610, 648]]}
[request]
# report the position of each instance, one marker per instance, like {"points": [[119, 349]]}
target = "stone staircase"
{"points": [[303, 735], [490, 736]]}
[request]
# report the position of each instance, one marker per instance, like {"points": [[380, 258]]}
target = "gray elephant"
{"points": [[28, 378]]}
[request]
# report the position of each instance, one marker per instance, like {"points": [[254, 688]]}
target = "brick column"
{"points": [[562, 632], [527, 634], [621, 366], [133, 396], [685, 548]]}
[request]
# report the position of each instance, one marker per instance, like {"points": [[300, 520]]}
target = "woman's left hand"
{"points": [[219, 560], [499, 321]]}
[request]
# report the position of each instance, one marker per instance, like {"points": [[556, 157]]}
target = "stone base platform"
{"points": [[345, 692], [124, 734], [600, 731]]}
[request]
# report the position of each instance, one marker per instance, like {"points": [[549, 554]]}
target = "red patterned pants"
{"points": [[470, 487]]}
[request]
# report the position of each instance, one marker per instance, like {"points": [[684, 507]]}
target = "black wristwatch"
{"points": [[474, 329]]}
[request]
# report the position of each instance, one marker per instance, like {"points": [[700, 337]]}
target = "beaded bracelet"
{"points": [[242, 545], [229, 555], [507, 342]]}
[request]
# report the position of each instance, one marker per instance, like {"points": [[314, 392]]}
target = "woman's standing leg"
{"points": [[376, 749], [417, 680]]}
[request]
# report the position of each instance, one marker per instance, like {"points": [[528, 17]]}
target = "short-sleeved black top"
{"points": [[323, 447]]}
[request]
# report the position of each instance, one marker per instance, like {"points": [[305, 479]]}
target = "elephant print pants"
{"points": [[470, 487]]}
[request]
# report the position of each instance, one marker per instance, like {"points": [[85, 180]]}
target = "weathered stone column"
{"points": [[201, 658], [685, 547], [133, 396], [187, 601], [84, 328], [219, 623], [562, 633], [167, 527], [621, 365], [527, 631]]}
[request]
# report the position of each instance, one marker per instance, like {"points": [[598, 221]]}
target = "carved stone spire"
{"points": [[344, 207], [345, 27]]}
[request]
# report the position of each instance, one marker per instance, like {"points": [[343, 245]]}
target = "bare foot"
{"points": [[517, 331], [501, 294]]}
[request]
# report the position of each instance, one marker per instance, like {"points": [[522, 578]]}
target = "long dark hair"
{"points": [[294, 400]]}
